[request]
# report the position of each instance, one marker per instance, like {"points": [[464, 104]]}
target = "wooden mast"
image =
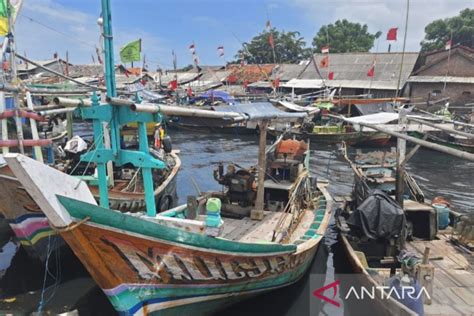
{"points": [[117, 116], [257, 212], [401, 151]]}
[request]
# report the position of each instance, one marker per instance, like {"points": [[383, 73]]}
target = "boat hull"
{"points": [[354, 139], [29, 224], [186, 277], [380, 305], [144, 267]]}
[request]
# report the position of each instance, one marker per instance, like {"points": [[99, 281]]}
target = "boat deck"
{"points": [[254, 231], [453, 287]]}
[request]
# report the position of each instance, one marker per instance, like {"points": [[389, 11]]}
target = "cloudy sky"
{"points": [[47, 26]]}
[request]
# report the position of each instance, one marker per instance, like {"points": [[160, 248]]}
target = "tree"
{"points": [[438, 32], [289, 48], [345, 36]]}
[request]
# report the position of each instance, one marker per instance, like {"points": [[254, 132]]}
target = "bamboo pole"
{"points": [[450, 151], [58, 73], [67, 102], [34, 129], [442, 118], [401, 152], [180, 111], [56, 111], [5, 149], [449, 130]]}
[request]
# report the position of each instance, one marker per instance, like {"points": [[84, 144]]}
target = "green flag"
{"points": [[131, 51]]}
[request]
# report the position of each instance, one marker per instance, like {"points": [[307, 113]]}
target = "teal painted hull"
{"points": [[144, 267]]}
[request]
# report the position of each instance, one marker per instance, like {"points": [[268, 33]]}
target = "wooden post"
{"points": [[5, 149], [425, 276], [257, 212], [34, 129], [401, 150]]}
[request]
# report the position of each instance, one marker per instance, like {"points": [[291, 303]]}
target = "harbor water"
{"points": [[436, 173]]}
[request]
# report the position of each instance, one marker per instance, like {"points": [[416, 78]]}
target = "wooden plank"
{"points": [[465, 295]]}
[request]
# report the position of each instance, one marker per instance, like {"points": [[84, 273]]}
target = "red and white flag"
{"points": [[276, 83], [371, 72], [324, 63], [448, 45], [173, 84], [392, 34], [220, 51], [325, 50], [268, 26]]}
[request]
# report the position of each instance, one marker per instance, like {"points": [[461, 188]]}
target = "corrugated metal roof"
{"points": [[436, 79], [303, 84], [363, 84], [259, 111], [183, 77], [28, 67], [286, 72], [350, 69], [371, 108], [214, 76], [249, 73]]}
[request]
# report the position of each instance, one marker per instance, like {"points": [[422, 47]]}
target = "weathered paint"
{"points": [[144, 267]]}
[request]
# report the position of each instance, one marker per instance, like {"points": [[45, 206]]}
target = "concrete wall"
{"points": [[459, 66], [459, 93]]}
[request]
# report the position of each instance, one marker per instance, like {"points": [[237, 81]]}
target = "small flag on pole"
{"points": [[99, 57], [448, 45], [175, 62], [268, 26], [276, 83], [325, 50], [192, 48], [131, 51], [324, 63], [392, 34], [331, 75], [220, 51], [173, 84], [371, 72]]}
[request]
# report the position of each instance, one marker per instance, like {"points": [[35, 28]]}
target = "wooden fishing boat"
{"points": [[178, 262], [31, 227], [436, 261], [452, 141], [328, 135], [189, 259]]}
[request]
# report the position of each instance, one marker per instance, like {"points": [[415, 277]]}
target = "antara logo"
{"points": [[361, 293], [319, 293]]}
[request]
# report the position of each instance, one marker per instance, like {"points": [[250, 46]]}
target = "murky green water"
{"points": [[437, 174]]}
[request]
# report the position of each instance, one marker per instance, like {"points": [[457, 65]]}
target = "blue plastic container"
{"points": [[442, 212], [213, 210], [414, 301]]}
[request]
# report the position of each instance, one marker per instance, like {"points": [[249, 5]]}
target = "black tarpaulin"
{"points": [[379, 216]]}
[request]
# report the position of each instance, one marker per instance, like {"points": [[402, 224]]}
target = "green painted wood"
{"points": [[116, 219]]}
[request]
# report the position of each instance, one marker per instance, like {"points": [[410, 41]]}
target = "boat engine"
{"points": [[240, 184]]}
